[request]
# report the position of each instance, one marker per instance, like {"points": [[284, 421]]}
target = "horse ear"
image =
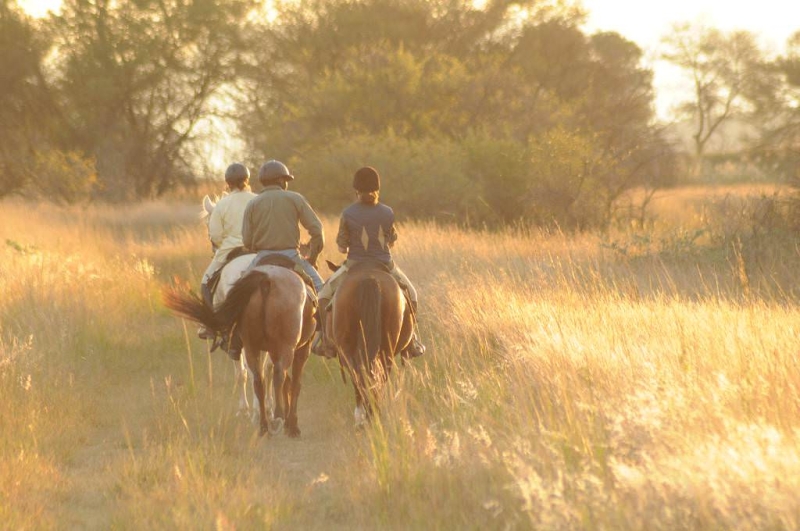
{"points": [[208, 204], [333, 267]]}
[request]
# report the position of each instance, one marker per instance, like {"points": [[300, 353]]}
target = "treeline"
{"points": [[479, 115]]}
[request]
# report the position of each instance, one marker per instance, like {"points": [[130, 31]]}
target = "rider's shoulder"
{"points": [[295, 196], [236, 196]]}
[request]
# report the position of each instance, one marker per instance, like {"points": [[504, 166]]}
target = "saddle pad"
{"points": [[312, 295]]}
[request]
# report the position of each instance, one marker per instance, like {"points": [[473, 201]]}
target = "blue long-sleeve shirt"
{"points": [[367, 232]]}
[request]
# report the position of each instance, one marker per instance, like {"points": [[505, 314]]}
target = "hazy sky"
{"points": [[646, 21]]}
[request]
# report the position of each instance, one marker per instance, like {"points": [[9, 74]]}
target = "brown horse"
{"points": [[370, 322], [272, 312]]}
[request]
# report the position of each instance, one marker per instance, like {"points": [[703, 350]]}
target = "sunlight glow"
{"points": [[40, 8], [645, 23]]}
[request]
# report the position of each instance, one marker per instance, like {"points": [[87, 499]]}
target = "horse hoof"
{"points": [[275, 426], [293, 432], [361, 419]]}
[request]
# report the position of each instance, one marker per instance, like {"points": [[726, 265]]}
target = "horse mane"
{"points": [[209, 203]]}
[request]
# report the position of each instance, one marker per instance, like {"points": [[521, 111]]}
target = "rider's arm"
{"points": [[343, 236], [391, 233], [310, 221], [247, 228], [215, 228]]}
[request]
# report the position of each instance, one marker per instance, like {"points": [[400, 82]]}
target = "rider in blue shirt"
{"points": [[366, 232]]}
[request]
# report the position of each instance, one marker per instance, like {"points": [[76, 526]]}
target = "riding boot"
{"points": [[208, 298], [235, 346], [321, 346], [415, 349]]}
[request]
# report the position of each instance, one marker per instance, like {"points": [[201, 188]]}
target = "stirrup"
{"points": [[322, 348], [235, 354], [414, 350]]}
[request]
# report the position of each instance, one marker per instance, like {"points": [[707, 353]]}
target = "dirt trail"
{"points": [[311, 465], [305, 466]]}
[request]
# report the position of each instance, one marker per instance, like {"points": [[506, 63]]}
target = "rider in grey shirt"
{"points": [[270, 224]]}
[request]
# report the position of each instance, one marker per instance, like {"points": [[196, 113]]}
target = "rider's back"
{"points": [[225, 223], [367, 231], [271, 220]]}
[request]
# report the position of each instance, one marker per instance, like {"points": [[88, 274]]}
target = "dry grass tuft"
{"points": [[617, 381]]}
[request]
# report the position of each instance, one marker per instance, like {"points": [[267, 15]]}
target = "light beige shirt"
{"points": [[225, 223]]}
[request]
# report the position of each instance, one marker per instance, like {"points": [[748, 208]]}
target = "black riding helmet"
{"points": [[367, 180], [272, 170]]}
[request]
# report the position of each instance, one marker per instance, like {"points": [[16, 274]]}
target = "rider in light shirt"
{"points": [[225, 226]]}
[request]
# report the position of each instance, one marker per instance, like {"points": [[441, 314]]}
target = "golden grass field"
{"points": [[627, 381]]}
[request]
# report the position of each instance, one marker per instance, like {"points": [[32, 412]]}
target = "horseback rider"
{"points": [[225, 227], [366, 232], [271, 220]]}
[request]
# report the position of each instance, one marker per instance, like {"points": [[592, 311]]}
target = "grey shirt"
{"points": [[271, 222]]}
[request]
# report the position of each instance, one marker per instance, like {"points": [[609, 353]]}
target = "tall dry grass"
{"points": [[623, 381]]}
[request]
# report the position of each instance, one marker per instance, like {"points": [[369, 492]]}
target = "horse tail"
{"points": [[188, 305], [369, 297], [228, 313], [221, 319]]}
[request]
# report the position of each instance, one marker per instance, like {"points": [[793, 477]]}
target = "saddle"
{"points": [[288, 263], [213, 281], [231, 342], [371, 264], [377, 265]]}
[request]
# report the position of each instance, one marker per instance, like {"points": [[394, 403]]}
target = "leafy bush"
{"points": [[422, 178], [63, 176]]}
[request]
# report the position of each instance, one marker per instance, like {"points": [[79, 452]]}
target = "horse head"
{"points": [[208, 206]]}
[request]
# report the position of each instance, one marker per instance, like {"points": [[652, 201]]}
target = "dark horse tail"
{"points": [[222, 319], [369, 297]]}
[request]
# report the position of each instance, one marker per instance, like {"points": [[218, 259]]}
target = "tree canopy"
{"points": [[488, 114]]}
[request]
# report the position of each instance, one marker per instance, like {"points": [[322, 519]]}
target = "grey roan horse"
{"points": [[272, 312]]}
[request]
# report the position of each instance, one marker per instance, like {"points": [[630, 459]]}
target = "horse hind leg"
{"points": [[269, 401], [259, 388], [279, 379], [241, 370], [363, 411], [269, 369], [287, 400], [300, 358]]}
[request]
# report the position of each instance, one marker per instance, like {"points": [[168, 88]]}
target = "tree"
{"points": [[485, 88], [23, 98], [136, 76], [325, 67], [722, 67]]}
